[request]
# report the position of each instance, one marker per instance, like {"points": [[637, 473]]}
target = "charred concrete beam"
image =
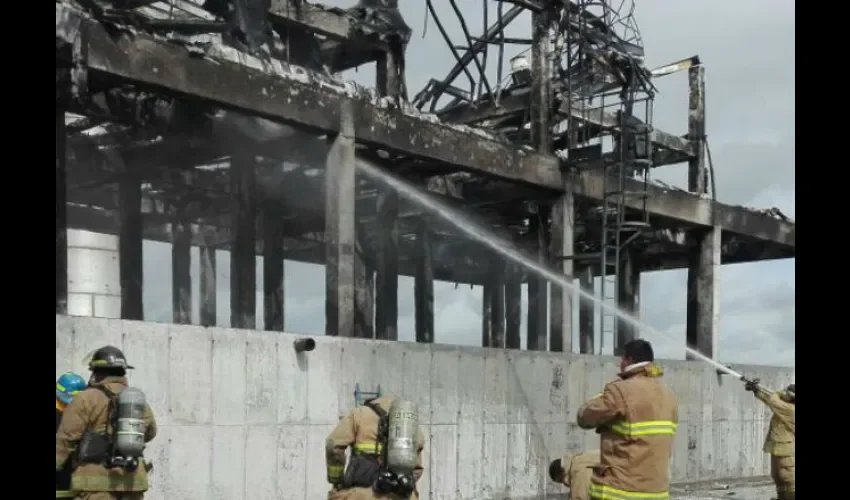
{"points": [[130, 245], [703, 292], [340, 237], [697, 171], [423, 286], [181, 267], [586, 318], [61, 215], [513, 309], [628, 296], [273, 269], [208, 309], [243, 258], [562, 245], [145, 60], [332, 23]]}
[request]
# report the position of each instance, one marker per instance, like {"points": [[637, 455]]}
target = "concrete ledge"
{"points": [[244, 418]]}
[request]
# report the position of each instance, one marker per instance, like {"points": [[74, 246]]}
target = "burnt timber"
{"points": [[153, 93]]}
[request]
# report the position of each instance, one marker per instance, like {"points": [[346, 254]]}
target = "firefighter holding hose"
{"points": [[636, 418], [780, 439], [386, 452]]}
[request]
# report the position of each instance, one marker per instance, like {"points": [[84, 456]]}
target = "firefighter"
{"points": [[67, 386], [87, 431], [636, 418], [574, 471], [364, 430], [780, 440]]}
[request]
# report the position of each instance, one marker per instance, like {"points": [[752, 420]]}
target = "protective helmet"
{"points": [[108, 357], [791, 391], [68, 385]]}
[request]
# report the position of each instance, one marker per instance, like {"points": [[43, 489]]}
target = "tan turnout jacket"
{"points": [[636, 418], [89, 410], [359, 430], [780, 435], [578, 469]]}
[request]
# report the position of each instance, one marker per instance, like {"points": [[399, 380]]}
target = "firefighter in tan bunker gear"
{"points": [[780, 440], [358, 430], [636, 418], [86, 425], [574, 471]]}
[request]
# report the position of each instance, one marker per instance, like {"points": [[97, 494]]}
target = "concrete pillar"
{"points": [[61, 214], [513, 308], [538, 288], [697, 171], [703, 274], [386, 267], [273, 271], [486, 314], [364, 292], [340, 229], [497, 301], [423, 285], [243, 253], [130, 244], [541, 138], [561, 245], [208, 306], [586, 316], [181, 266], [628, 295], [94, 283]]}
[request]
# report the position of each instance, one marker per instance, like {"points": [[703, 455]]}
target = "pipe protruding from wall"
{"points": [[304, 345]]}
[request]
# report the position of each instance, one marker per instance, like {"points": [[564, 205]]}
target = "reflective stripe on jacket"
{"points": [[65, 494], [636, 418]]}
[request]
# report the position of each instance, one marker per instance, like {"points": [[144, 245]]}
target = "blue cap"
{"points": [[68, 385]]}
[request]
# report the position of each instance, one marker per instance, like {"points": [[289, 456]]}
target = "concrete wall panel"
{"points": [[242, 416]]}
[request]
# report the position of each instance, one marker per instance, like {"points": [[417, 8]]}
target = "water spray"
{"points": [[508, 250]]}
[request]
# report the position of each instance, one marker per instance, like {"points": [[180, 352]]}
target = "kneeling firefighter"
{"points": [[104, 430], [67, 386], [386, 452]]}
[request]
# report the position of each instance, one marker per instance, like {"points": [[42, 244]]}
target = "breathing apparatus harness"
{"points": [[100, 447], [368, 470]]}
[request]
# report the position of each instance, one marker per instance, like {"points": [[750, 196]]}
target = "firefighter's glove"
{"points": [[752, 385]]}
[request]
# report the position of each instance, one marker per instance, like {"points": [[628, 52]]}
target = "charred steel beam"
{"points": [[586, 312], [340, 235], [130, 245], [145, 60], [273, 270], [208, 316], [243, 258]]}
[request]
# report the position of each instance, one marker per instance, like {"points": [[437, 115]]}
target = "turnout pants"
{"points": [[110, 495], [782, 472]]}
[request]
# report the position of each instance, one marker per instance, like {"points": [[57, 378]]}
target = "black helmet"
{"points": [[108, 357], [791, 390]]}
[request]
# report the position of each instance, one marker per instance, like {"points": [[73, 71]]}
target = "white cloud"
{"points": [[748, 50]]}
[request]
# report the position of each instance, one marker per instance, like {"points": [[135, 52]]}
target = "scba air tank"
{"points": [[130, 425], [403, 423]]}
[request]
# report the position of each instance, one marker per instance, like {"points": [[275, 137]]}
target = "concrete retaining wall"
{"points": [[243, 417]]}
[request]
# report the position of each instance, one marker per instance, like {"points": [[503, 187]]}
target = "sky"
{"points": [[748, 50]]}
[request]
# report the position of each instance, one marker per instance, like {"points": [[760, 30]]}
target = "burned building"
{"points": [[224, 125]]}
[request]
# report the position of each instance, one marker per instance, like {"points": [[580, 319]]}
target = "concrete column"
{"points": [[94, 283], [208, 305], [130, 244], [273, 271], [486, 314], [386, 268], [513, 308], [364, 292], [561, 245], [181, 266], [586, 317], [497, 301], [423, 285], [538, 288], [628, 295], [243, 253], [340, 229], [61, 213], [697, 171], [541, 138], [703, 271]]}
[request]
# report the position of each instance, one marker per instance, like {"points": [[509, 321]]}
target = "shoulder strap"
{"points": [[375, 408]]}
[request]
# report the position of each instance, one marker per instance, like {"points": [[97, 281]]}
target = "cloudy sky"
{"points": [[748, 51]]}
